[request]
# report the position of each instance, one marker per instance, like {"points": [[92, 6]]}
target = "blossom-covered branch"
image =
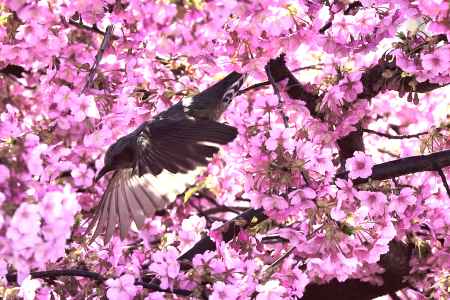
{"points": [[404, 166], [310, 229]]}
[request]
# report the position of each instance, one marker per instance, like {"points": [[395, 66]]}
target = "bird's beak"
{"points": [[102, 172]]}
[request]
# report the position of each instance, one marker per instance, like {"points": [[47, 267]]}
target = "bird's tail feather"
{"points": [[131, 198]]}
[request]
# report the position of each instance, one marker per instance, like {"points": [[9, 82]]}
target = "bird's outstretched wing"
{"points": [[169, 153], [131, 198], [179, 146]]}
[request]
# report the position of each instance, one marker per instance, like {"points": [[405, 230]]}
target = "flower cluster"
{"points": [[286, 158]]}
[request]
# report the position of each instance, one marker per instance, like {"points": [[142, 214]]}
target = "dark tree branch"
{"points": [[83, 26], [51, 274], [395, 137], [229, 231], [157, 288], [224, 209], [387, 76], [349, 10], [405, 166], [14, 70], [350, 143], [12, 277], [295, 90], [395, 261], [266, 83], [394, 296], [396, 264], [105, 43], [444, 181], [276, 90]]}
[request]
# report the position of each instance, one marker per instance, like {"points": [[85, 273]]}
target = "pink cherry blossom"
{"points": [[433, 8], [360, 165], [85, 108], [223, 291], [357, 65], [436, 62], [281, 137], [191, 229], [28, 288], [4, 173], [375, 201], [121, 288], [82, 175], [3, 271], [351, 86], [400, 203], [271, 290], [166, 265]]}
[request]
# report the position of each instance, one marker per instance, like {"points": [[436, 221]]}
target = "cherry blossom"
{"points": [[271, 290], [121, 288], [373, 69], [222, 291], [360, 165], [28, 288]]}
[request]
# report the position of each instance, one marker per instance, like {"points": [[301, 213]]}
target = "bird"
{"points": [[159, 159]]}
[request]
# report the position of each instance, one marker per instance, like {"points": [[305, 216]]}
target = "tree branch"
{"points": [[396, 264], [105, 43], [83, 26], [266, 83], [404, 166], [444, 181], [351, 7], [14, 70], [12, 277], [395, 261], [229, 231], [394, 137]]}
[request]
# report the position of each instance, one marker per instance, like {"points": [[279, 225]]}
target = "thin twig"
{"points": [[104, 45], [12, 277], [274, 239], [264, 83], [276, 90], [271, 269], [444, 181], [155, 287], [223, 209], [398, 137], [83, 26]]}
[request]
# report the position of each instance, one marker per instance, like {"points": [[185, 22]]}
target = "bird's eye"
{"points": [[227, 99]]}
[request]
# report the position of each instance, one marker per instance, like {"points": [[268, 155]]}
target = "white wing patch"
{"points": [[130, 199]]}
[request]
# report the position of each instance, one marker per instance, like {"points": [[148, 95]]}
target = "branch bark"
{"points": [[404, 166], [384, 76], [396, 264], [229, 231]]}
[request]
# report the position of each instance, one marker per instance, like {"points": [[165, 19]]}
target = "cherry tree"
{"points": [[335, 187]]}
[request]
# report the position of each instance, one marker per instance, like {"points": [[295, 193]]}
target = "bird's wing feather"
{"points": [[131, 198], [179, 145], [169, 154]]}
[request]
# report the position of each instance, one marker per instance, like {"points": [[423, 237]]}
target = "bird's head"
{"points": [[211, 102], [119, 155]]}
